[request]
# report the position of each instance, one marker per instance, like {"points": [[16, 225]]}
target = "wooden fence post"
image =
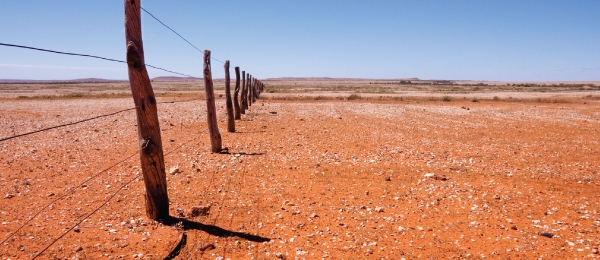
{"points": [[236, 104], [211, 116], [248, 90], [257, 89], [150, 143], [254, 87], [250, 99], [242, 100], [230, 119]]}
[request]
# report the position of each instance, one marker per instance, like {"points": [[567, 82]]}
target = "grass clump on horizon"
{"points": [[354, 97]]}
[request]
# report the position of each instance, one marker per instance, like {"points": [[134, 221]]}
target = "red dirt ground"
{"points": [[328, 179]]}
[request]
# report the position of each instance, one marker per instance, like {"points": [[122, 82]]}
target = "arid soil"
{"points": [[307, 180]]}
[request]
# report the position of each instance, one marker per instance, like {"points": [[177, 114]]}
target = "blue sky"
{"points": [[473, 40]]}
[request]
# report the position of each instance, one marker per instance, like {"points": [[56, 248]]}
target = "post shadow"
{"points": [[215, 230]]}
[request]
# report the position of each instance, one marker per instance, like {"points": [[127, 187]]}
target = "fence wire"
{"points": [[88, 119], [158, 20], [105, 202], [88, 56]]}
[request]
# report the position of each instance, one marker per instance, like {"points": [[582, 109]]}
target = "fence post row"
{"points": [[236, 104], [211, 116], [228, 102], [150, 143]]}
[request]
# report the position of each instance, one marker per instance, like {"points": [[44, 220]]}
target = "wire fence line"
{"points": [[72, 190], [90, 214], [99, 207], [68, 192], [178, 34], [88, 119], [88, 56], [63, 125]]}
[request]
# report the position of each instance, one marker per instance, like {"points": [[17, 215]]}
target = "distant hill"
{"points": [[86, 80], [334, 79]]}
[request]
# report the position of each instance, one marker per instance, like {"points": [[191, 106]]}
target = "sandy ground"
{"points": [[308, 180]]}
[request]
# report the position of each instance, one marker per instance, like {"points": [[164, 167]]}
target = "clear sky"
{"points": [[505, 40]]}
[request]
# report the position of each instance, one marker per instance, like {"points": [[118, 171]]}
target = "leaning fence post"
{"points": [[211, 116], [242, 99], [150, 143], [230, 120], [236, 104]]}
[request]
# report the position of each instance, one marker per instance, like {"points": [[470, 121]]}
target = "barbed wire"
{"points": [[88, 56], [177, 34]]}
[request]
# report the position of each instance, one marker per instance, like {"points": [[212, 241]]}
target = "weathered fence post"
{"points": [[211, 116], [236, 104], [242, 100], [230, 120], [150, 143], [254, 87], [249, 90], [257, 89], [262, 87], [250, 100]]}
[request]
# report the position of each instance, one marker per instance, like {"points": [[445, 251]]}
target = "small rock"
{"points": [[205, 247], [595, 251], [8, 196], [174, 170], [513, 227], [180, 212], [77, 229], [428, 175], [199, 211], [78, 248], [314, 215], [440, 178], [401, 229], [388, 179], [379, 209], [546, 234], [273, 112], [299, 251]]}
